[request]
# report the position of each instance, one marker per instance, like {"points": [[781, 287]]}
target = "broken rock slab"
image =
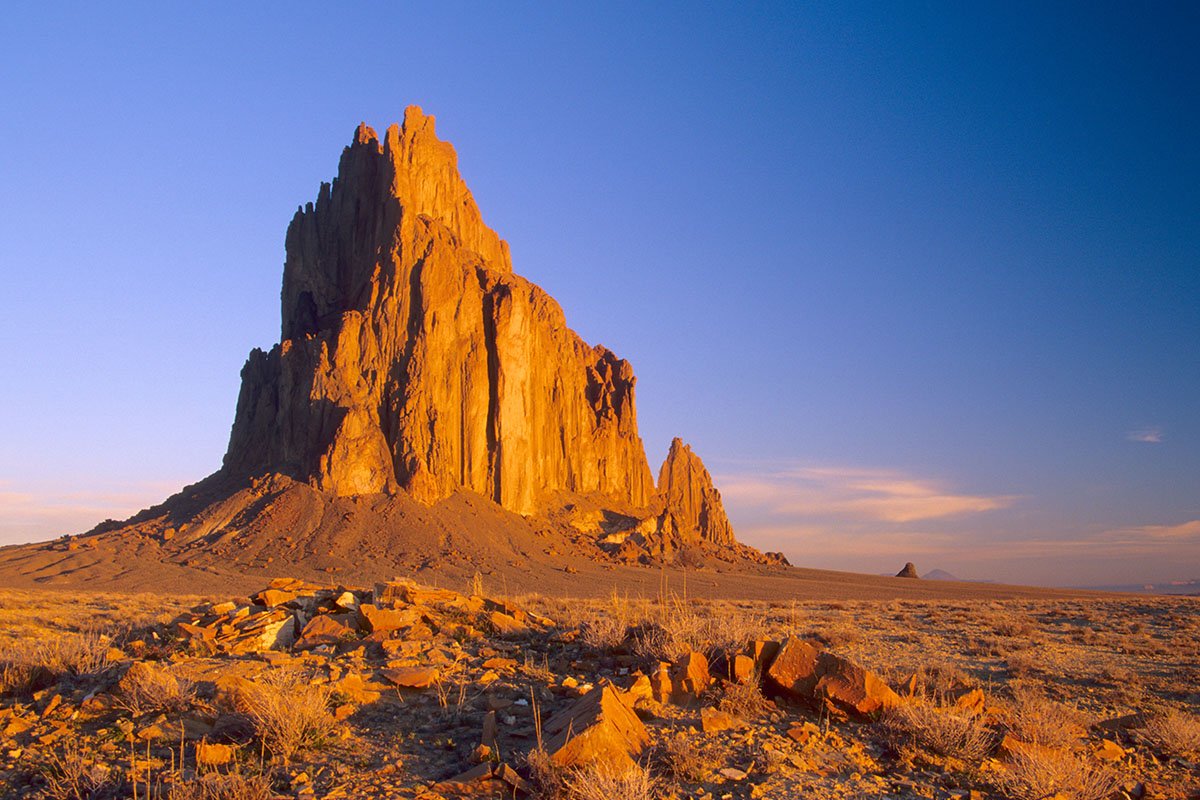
{"points": [[598, 728], [802, 672]]}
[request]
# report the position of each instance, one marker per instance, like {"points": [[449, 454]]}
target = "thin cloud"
{"points": [[1147, 435], [854, 494]]}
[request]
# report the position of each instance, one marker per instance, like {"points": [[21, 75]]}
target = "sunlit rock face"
{"points": [[692, 505], [413, 358]]}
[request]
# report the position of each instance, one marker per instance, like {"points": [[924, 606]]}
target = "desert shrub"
{"points": [[221, 786], [147, 688], [601, 782], [70, 775], [1013, 624], [607, 628], [679, 626], [921, 727], [839, 635], [288, 713], [1038, 720], [1174, 734], [32, 664], [549, 779], [939, 680], [745, 700], [1054, 772], [689, 758], [1022, 665]]}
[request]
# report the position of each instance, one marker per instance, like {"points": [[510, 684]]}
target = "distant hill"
{"points": [[940, 575]]}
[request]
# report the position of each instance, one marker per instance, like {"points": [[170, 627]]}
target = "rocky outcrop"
{"points": [[412, 357], [692, 510], [909, 571]]}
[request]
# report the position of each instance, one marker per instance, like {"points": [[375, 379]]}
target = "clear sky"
{"points": [[918, 281]]}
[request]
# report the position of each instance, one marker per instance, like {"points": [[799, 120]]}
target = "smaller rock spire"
{"points": [[692, 507]]}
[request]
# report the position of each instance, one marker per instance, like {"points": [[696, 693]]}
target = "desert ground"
{"points": [[842, 687]]}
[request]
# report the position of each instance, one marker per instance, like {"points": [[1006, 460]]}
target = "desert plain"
{"points": [[841, 686]]}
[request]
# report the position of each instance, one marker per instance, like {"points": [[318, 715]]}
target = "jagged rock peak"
{"points": [[692, 507], [413, 358]]}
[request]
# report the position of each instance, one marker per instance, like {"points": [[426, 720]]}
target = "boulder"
{"points": [[802, 672], [412, 677], [327, 629], [382, 620], [600, 728], [909, 571]]}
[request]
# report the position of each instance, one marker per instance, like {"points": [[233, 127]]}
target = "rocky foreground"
{"points": [[408, 691]]}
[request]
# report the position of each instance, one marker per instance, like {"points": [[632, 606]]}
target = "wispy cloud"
{"points": [[859, 494], [1150, 435], [873, 520]]}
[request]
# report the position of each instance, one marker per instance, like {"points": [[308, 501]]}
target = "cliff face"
{"points": [[692, 509], [412, 357]]}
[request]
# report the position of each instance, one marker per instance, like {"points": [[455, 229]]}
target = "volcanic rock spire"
{"points": [[413, 358], [692, 505]]}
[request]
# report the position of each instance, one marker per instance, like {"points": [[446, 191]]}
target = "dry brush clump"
{"points": [[598, 781], [745, 700], [606, 628], [691, 758], [232, 785], [145, 687], [920, 727], [676, 626], [1035, 719], [1174, 734], [32, 664], [288, 713], [1048, 772], [70, 774]]}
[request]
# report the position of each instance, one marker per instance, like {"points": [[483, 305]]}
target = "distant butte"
{"points": [[417, 371]]}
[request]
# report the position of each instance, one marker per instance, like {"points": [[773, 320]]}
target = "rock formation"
{"points": [[425, 409], [412, 357], [692, 505], [909, 571]]}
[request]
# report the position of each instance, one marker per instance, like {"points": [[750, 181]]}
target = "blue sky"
{"points": [[918, 281]]}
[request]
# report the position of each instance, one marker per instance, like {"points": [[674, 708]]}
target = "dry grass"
{"points": [[607, 627], [222, 786], [598, 782], [288, 713], [1036, 719], [1051, 772], [1174, 734], [145, 687], [924, 728], [745, 700], [30, 664], [675, 626], [549, 779], [691, 759], [71, 775]]}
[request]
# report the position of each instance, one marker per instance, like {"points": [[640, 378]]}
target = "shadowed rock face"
{"points": [[412, 357], [692, 505]]}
